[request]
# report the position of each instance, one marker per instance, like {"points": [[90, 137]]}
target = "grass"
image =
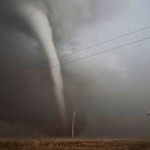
{"points": [[75, 144]]}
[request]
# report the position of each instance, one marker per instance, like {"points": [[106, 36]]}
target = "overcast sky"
{"points": [[107, 90]]}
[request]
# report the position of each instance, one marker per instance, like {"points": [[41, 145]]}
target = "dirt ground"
{"points": [[75, 144]]}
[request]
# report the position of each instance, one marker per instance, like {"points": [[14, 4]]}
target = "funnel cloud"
{"points": [[39, 24]]}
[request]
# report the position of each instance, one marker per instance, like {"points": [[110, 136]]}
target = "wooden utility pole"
{"points": [[73, 123]]}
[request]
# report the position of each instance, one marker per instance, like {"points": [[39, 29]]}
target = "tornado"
{"points": [[38, 22]]}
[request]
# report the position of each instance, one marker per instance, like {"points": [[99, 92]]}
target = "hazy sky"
{"points": [[108, 91]]}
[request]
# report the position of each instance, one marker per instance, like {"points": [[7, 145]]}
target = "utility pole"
{"points": [[73, 123], [148, 112]]}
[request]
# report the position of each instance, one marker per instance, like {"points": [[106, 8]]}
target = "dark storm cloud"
{"points": [[100, 90], [65, 17]]}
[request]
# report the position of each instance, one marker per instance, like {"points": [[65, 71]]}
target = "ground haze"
{"points": [[75, 144]]}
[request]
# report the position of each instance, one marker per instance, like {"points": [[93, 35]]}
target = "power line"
{"points": [[112, 49], [98, 53], [78, 51], [100, 43]]}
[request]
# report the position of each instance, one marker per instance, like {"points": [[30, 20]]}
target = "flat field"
{"points": [[75, 144]]}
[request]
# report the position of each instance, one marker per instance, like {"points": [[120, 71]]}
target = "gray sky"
{"points": [[108, 91]]}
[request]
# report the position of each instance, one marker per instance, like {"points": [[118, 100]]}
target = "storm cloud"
{"points": [[107, 91]]}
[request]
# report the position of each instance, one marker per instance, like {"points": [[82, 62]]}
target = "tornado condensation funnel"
{"points": [[39, 24]]}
